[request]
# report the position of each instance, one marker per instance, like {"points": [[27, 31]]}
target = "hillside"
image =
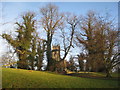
{"points": [[18, 78]]}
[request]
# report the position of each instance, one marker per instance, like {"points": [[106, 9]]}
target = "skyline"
{"points": [[12, 11]]}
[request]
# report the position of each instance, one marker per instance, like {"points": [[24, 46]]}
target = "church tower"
{"points": [[56, 52]]}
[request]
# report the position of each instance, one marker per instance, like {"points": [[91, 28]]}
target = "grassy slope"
{"points": [[18, 78]]}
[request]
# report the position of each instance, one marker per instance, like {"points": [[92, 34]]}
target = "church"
{"points": [[56, 53]]}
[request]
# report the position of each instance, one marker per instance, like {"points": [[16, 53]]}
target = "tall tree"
{"points": [[33, 52], [85, 37], [40, 52], [99, 37], [71, 24], [106, 53], [51, 20], [111, 56], [67, 35], [21, 43]]}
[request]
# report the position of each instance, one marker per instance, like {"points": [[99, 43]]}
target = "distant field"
{"points": [[18, 78]]}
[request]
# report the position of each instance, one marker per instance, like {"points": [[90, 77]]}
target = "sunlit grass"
{"points": [[18, 78], [97, 74]]}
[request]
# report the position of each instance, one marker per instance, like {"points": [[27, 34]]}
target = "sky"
{"points": [[14, 9], [11, 12]]}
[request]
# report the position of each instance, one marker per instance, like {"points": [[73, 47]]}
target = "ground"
{"points": [[18, 78]]}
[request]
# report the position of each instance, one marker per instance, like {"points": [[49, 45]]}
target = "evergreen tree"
{"points": [[21, 43], [40, 52]]}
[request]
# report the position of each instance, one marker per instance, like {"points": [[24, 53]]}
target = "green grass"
{"points": [[18, 78], [114, 75], [95, 75]]}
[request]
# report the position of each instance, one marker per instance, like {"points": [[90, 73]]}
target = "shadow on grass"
{"points": [[92, 76]]}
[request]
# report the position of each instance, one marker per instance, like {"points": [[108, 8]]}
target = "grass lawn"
{"points": [[18, 78], [95, 75]]}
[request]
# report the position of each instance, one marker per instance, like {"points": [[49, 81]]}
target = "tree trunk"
{"points": [[32, 64], [22, 63], [49, 56], [108, 75], [39, 63]]}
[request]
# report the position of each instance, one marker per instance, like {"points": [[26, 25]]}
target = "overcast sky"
{"points": [[11, 12]]}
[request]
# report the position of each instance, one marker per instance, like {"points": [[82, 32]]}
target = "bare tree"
{"points": [[107, 35], [67, 34], [85, 37], [112, 56], [71, 25], [99, 37], [51, 20]]}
